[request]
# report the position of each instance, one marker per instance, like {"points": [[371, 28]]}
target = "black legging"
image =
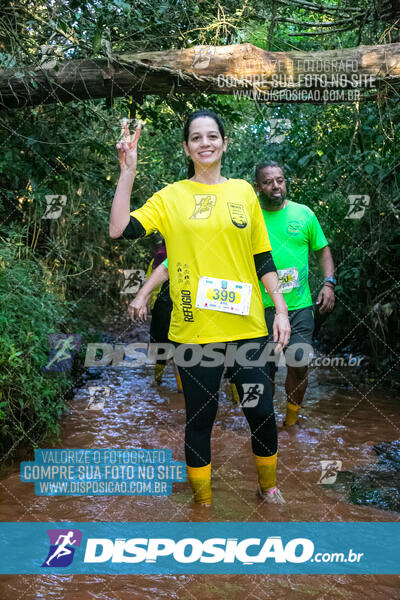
{"points": [[200, 388], [161, 318]]}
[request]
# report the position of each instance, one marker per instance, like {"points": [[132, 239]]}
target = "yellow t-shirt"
{"points": [[157, 289], [213, 231]]}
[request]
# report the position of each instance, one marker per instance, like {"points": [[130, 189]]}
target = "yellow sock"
{"points": [[178, 380], [292, 413], [200, 481], [235, 394], [158, 372], [266, 469]]}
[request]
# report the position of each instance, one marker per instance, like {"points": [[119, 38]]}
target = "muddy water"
{"points": [[342, 420]]}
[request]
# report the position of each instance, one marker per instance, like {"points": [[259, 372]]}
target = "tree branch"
{"points": [[203, 69]]}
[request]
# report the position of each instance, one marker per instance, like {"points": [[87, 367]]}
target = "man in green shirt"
{"points": [[293, 230]]}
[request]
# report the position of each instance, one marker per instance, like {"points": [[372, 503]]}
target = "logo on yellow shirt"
{"points": [[186, 303], [238, 215], [203, 205]]}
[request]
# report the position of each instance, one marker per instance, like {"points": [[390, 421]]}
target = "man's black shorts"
{"points": [[301, 323]]}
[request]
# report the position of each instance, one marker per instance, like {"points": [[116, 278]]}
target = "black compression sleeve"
{"points": [[264, 263], [134, 229]]}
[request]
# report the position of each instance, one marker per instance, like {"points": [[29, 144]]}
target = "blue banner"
{"points": [[191, 548]]}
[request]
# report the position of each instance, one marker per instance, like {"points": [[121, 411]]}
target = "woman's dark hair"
{"points": [[263, 165], [195, 115]]}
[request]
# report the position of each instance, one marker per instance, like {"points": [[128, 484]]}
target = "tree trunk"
{"points": [[327, 76]]}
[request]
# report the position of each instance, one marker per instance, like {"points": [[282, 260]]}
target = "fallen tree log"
{"points": [[243, 70]]}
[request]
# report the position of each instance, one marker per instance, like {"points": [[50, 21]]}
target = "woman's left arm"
{"points": [[266, 272]]}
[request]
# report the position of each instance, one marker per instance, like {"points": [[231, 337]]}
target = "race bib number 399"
{"points": [[224, 295]]}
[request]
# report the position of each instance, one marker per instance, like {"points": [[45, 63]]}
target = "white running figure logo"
{"points": [[62, 550]]}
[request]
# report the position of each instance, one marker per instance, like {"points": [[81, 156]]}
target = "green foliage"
{"points": [[30, 403]]}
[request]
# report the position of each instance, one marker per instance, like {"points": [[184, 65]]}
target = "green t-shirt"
{"points": [[293, 231]]}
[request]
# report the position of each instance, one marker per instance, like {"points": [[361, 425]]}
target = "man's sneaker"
{"points": [[272, 496]]}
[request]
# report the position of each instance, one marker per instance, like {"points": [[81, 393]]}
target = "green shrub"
{"points": [[30, 308]]}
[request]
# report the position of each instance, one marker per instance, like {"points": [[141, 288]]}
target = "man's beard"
{"points": [[273, 202]]}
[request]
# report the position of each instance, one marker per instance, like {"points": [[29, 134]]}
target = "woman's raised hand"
{"points": [[127, 149]]}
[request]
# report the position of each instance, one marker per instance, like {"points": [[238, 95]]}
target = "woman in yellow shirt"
{"points": [[217, 248]]}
